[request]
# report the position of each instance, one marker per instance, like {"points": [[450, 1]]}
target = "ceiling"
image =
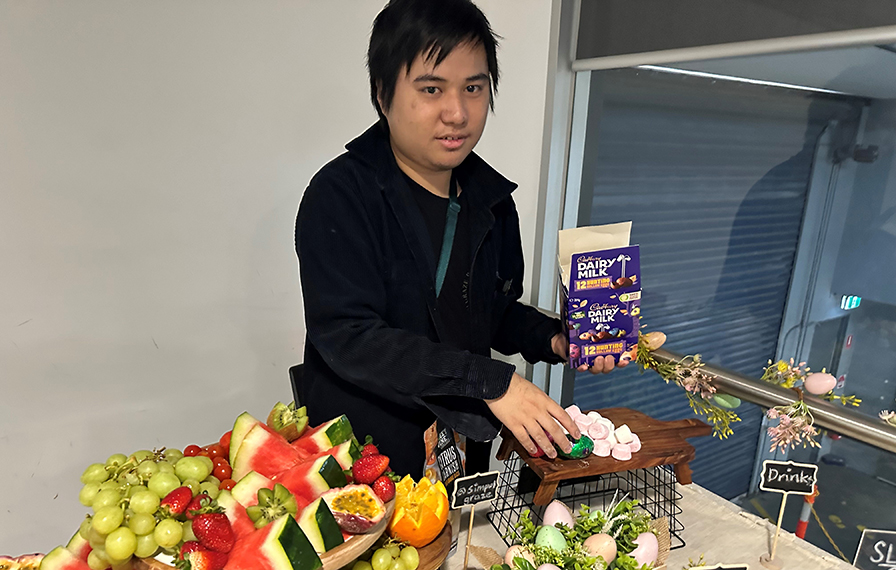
{"points": [[867, 71]]}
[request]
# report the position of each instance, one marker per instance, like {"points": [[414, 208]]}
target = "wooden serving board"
{"points": [[434, 554], [662, 443]]}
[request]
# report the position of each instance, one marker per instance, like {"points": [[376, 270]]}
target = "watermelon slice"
{"points": [[244, 422], [320, 526], [346, 453], [265, 452], [236, 514], [309, 480], [246, 490], [79, 546], [280, 545], [325, 436], [60, 558]]}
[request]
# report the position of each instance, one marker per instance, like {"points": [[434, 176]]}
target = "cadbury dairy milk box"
{"points": [[600, 292]]}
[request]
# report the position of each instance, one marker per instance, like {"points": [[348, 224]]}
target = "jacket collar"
{"points": [[488, 186]]}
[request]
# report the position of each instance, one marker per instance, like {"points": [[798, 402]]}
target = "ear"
{"points": [[379, 96]]}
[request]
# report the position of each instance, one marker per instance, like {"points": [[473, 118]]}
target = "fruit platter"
{"points": [[269, 495]]}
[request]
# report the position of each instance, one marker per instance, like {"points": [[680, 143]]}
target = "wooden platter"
{"points": [[662, 443], [333, 559], [431, 556], [434, 554]]}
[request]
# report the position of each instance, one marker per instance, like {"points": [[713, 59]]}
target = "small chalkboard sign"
{"points": [[788, 477], [722, 567], [877, 550], [474, 489]]}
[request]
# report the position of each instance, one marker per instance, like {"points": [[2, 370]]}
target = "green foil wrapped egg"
{"points": [[580, 448]]}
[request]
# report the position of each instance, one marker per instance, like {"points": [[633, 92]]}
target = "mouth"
{"points": [[452, 142]]}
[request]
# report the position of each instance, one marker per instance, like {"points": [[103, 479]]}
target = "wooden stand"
{"points": [[662, 443]]}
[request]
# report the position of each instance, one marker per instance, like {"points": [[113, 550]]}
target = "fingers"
{"points": [[603, 365], [540, 436], [623, 363], [561, 415], [522, 436]]}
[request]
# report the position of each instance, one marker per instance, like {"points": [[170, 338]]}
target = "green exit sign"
{"points": [[850, 302]]}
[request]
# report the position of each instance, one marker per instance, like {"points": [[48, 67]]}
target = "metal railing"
{"points": [[828, 415]]}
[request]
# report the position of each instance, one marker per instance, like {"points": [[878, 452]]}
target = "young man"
{"points": [[410, 254]]}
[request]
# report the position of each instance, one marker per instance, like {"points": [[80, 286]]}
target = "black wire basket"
{"points": [[654, 489]]}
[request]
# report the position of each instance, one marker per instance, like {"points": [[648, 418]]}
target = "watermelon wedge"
{"points": [[60, 558], [346, 453], [309, 480], [264, 451], [280, 545], [320, 526], [79, 546], [236, 514], [246, 490], [325, 436], [244, 422]]}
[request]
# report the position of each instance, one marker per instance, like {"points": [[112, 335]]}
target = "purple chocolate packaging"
{"points": [[601, 307]]}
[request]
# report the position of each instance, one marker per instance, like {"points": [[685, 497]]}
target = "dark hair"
{"points": [[405, 29]]}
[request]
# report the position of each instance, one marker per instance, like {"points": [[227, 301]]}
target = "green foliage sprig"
{"points": [[689, 374]]}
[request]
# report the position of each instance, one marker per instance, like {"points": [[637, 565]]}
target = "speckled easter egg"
{"points": [[819, 383], [602, 545], [518, 551], [558, 512], [551, 537], [647, 550]]}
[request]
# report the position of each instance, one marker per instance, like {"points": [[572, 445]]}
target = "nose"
{"points": [[454, 111]]}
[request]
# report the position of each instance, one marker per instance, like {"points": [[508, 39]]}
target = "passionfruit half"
{"points": [[356, 508]]}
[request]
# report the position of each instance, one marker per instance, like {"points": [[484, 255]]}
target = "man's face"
{"points": [[438, 112]]}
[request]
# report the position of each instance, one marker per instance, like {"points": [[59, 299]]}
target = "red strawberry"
{"points": [[177, 500], [188, 547], [198, 505], [203, 560], [384, 487], [369, 449], [214, 532], [367, 469]]}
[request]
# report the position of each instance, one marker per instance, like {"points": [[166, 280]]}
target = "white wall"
{"points": [[152, 157]]}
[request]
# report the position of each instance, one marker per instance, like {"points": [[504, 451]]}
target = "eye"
{"points": [[430, 90], [474, 88]]}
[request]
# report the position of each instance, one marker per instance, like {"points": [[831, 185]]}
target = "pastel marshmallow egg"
{"points": [[594, 415], [573, 411], [598, 431], [602, 448], [623, 434], [635, 444], [622, 452], [583, 422], [607, 423], [612, 439]]}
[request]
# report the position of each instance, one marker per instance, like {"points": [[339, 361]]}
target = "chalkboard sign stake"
{"points": [[785, 477], [469, 536], [468, 491]]}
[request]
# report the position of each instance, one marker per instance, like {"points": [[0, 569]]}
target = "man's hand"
{"points": [[602, 364], [530, 414]]}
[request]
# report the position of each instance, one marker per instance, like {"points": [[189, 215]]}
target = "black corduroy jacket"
{"points": [[367, 268]]}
